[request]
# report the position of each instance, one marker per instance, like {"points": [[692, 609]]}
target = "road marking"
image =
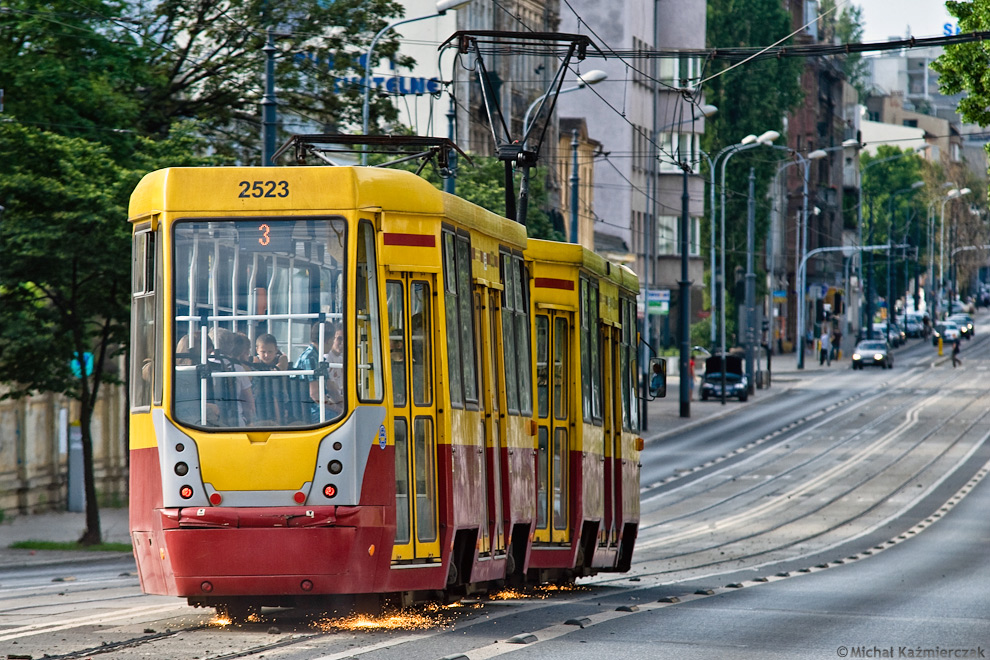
{"points": [[39, 628]]}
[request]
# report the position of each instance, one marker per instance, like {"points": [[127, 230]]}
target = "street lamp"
{"points": [[952, 194], [801, 233], [748, 142], [442, 7], [592, 77], [890, 240], [859, 227]]}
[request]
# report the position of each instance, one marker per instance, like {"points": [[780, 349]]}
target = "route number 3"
{"points": [[264, 188]]}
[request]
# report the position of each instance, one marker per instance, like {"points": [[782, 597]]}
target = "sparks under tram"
{"points": [[348, 383]]}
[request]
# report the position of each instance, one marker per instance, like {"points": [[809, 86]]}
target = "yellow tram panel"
{"points": [[230, 461]]}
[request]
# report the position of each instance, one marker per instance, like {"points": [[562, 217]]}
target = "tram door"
{"points": [[553, 384], [410, 317], [611, 436], [488, 325]]}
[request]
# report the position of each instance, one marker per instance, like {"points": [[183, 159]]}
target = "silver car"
{"points": [[872, 352]]}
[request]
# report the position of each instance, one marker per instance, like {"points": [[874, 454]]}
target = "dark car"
{"points": [[872, 352], [736, 384]]}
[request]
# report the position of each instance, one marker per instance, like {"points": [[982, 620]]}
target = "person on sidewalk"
{"points": [[825, 349], [955, 354]]}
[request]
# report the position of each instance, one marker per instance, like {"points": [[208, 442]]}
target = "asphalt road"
{"points": [[843, 517]]}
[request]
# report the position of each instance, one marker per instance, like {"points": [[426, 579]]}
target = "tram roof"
{"points": [[581, 257], [319, 189]]}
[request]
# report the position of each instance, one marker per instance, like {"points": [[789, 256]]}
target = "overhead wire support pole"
{"points": [[512, 151]]}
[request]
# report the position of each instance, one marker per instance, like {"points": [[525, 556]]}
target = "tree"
{"points": [[113, 70], [751, 98], [845, 26], [65, 270], [67, 69], [962, 67], [206, 63]]}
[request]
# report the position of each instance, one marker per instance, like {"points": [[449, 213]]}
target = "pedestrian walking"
{"points": [[825, 349], [955, 354], [691, 376]]}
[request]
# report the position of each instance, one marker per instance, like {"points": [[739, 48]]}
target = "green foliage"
{"points": [[701, 335], [67, 68], [881, 180], [751, 99], [206, 63], [845, 26], [963, 67], [57, 545], [65, 268], [483, 183], [65, 272], [112, 70]]}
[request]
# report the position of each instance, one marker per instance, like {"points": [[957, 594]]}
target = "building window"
{"points": [[676, 148], [668, 236], [681, 72]]}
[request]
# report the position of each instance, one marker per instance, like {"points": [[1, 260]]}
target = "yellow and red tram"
{"points": [[450, 404]]}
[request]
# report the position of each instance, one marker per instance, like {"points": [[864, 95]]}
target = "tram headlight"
{"points": [[335, 467], [181, 469]]}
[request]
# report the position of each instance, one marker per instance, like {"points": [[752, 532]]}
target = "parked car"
{"points": [[872, 352], [914, 324], [948, 331], [965, 323], [896, 336], [736, 383]]}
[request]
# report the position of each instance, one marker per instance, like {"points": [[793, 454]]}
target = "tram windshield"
{"points": [[259, 322]]}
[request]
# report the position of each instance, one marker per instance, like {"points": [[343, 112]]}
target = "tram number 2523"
{"points": [[264, 188]]}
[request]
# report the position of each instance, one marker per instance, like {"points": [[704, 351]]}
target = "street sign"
{"points": [[658, 301]]}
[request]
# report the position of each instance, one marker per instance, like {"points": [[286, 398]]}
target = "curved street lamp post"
{"points": [[442, 7]]}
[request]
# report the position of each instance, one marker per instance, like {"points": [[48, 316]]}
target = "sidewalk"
{"points": [[58, 526], [664, 415]]}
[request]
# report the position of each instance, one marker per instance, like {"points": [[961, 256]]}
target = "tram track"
{"points": [[788, 472], [738, 534], [247, 641]]}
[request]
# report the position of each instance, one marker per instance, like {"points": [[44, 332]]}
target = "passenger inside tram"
{"points": [[188, 390]]}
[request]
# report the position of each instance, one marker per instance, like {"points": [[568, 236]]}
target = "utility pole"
{"points": [[685, 302], [575, 179], [450, 183], [268, 106], [868, 271], [750, 279]]}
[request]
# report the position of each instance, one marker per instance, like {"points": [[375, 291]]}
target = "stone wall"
{"points": [[34, 451]]}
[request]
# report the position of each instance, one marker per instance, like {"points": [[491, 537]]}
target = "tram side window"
{"points": [[146, 379], [368, 322], [509, 347], [464, 299], [515, 335], [542, 366], [453, 326], [591, 376], [461, 354], [521, 277], [585, 355], [632, 370], [624, 361]]}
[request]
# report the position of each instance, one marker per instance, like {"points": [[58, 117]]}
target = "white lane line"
{"points": [[39, 628]]}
